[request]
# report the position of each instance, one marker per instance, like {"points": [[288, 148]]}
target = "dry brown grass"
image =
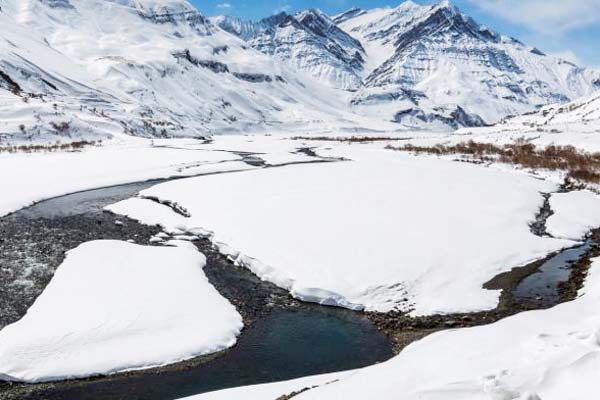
{"points": [[578, 165], [38, 148]]}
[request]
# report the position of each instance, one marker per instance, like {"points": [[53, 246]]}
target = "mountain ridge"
{"points": [[149, 68], [159, 68], [447, 62]]}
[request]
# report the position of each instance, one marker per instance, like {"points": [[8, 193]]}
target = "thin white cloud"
{"points": [[547, 16], [225, 6]]}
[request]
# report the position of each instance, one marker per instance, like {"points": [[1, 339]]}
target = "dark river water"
{"points": [[283, 345], [543, 285]]}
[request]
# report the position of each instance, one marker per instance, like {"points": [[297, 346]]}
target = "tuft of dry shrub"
{"points": [[578, 165], [349, 139]]}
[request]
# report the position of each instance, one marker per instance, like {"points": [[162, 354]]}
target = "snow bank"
{"points": [[271, 391], [575, 214], [114, 306], [389, 230]]}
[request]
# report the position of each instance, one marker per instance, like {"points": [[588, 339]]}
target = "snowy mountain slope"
{"points": [[42, 91], [149, 68], [72, 69], [310, 41], [425, 63], [572, 124], [247, 29], [582, 113]]}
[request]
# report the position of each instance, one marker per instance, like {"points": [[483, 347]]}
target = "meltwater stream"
{"points": [[543, 285], [287, 339]]}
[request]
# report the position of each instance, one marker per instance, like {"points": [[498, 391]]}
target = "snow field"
{"points": [[377, 233]]}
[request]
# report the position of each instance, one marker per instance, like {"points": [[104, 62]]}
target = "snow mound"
{"points": [[575, 214], [114, 306]]}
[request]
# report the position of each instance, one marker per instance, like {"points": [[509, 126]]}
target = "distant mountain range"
{"points": [[97, 68], [418, 65]]}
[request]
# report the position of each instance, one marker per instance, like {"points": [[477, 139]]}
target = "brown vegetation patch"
{"points": [[38, 148], [578, 165]]}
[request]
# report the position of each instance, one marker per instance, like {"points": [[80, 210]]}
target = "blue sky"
{"points": [[569, 28]]}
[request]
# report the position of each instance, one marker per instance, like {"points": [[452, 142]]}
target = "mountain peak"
{"points": [[313, 13], [447, 7]]}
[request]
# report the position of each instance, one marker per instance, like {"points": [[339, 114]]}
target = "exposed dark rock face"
{"points": [[351, 13], [58, 3], [6, 82], [456, 118], [253, 77], [215, 66], [414, 96]]}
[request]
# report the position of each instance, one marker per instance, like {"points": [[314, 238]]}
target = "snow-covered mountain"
{"points": [[75, 68], [581, 116], [427, 62], [310, 41], [420, 65]]}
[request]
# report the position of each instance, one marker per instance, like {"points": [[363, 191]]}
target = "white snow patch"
{"points": [[29, 178], [575, 214], [114, 306]]}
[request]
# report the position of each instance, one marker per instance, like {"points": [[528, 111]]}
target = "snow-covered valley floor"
{"points": [[379, 231]]}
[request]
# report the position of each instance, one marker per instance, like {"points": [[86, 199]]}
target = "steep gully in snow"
{"points": [[283, 339]]}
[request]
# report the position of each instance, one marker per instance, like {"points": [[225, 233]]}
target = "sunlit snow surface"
{"points": [[386, 230], [114, 306], [575, 214]]}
